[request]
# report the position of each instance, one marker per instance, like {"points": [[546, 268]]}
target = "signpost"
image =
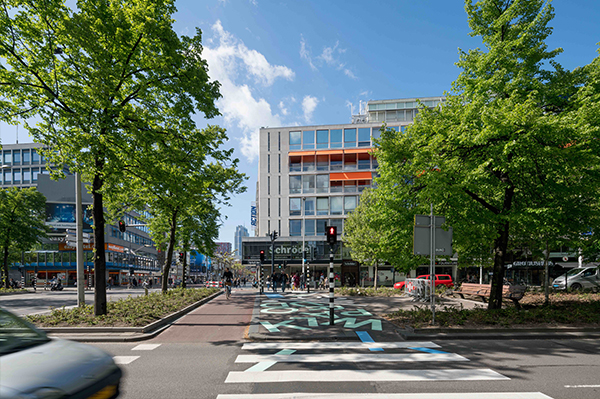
{"points": [[430, 239]]}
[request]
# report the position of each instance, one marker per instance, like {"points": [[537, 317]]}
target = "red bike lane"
{"points": [[220, 320]]}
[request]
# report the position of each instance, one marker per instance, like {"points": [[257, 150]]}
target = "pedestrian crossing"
{"points": [[123, 360], [348, 362]]}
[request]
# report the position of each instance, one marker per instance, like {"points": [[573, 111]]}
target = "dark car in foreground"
{"points": [[440, 279], [34, 366]]}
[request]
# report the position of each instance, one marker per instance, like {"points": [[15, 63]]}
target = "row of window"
{"points": [[335, 138], [403, 105], [21, 175], [333, 162], [130, 237], [314, 227], [70, 257], [323, 206], [310, 184], [22, 157]]}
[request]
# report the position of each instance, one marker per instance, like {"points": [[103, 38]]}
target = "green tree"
{"points": [[487, 158], [22, 223], [106, 79], [380, 231]]}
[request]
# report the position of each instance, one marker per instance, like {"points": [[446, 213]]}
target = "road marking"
{"points": [[336, 345], [124, 359], [582, 386], [353, 358], [438, 395], [274, 296], [146, 347], [365, 337], [427, 350], [364, 375], [264, 365]]}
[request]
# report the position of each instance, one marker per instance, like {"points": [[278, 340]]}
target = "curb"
{"points": [[143, 333]]}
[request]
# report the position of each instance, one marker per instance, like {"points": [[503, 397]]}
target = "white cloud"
{"points": [[282, 108], [305, 53], [231, 62], [349, 73], [309, 104]]}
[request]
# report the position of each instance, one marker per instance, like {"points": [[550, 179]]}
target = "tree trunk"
{"points": [[6, 280], [376, 275], [184, 267], [500, 247], [99, 258], [167, 265]]}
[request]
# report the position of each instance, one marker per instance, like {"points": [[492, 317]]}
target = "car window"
{"points": [[16, 334], [589, 272]]}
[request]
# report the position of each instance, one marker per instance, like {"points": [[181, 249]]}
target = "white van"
{"points": [[578, 278]]}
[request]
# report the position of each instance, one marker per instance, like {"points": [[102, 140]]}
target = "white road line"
{"points": [[582, 386], [439, 395], [363, 375], [353, 357], [146, 347], [124, 359], [336, 345]]}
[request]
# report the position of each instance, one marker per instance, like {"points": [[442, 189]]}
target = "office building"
{"points": [[240, 231]]}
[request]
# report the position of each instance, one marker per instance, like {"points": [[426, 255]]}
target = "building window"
{"points": [[16, 157], [336, 186], [16, 176], [279, 203], [362, 184], [322, 206], [269, 141], [376, 132], [308, 163], [309, 227], [322, 184], [364, 161], [350, 186], [336, 162], [321, 226], [269, 163], [337, 204], [295, 164], [349, 161], [309, 207], [349, 138], [279, 148], [323, 163], [7, 157], [268, 207], [7, 177], [279, 168], [308, 140], [295, 227], [349, 204], [35, 157], [308, 184], [279, 223], [268, 226], [26, 157], [335, 137], [26, 175], [337, 223], [322, 139], [364, 137], [295, 184], [295, 141], [295, 206], [279, 185], [268, 185], [34, 174]]}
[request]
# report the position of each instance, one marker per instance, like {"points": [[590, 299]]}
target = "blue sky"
{"points": [[291, 62]]}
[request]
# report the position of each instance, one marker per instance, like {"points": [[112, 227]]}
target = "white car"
{"points": [[32, 365], [578, 278]]}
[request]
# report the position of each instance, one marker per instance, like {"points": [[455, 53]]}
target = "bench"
{"points": [[513, 292]]}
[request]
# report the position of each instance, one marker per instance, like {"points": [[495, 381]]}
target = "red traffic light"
{"points": [[262, 255], [332, 235], [122, 226]]}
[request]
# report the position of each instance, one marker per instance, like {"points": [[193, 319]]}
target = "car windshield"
{"points": [[15, 334]]}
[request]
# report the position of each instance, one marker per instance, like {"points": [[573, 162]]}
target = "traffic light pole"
{"points": [[331, 285]]}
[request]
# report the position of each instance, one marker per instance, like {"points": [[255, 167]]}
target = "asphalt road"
{"points": [[196, 358]]}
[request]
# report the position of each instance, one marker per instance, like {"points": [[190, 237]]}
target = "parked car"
{"points": [[32, 365], [578, 278], [440, 279]]}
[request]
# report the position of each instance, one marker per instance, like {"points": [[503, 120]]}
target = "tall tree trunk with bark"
{"points": [[100, 307], [167, 265]]}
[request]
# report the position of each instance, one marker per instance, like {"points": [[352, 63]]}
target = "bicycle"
{"points": [[227, 287]]}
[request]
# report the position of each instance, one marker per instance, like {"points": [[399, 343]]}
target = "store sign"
{"points": [[114, 248], [64, 247], [253, 213]]}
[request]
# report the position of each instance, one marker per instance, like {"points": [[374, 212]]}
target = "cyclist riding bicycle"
{"points": [[227, 280]]}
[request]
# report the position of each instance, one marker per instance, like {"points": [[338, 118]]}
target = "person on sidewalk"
{"points": [[284, 281]]}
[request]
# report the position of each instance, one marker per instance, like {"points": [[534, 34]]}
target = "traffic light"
{"points": [[122, 226], [274, 235], [181, 256], [332, 235], [262, 255]]}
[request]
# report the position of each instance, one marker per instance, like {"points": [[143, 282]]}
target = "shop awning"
{"points": [[350, 176]]}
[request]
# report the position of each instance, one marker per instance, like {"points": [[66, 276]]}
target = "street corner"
{"points": [[301, 315]]}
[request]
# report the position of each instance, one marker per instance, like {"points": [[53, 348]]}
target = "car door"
{"points": [[589, 278]]}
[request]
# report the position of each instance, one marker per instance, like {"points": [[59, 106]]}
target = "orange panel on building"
{"points": [[351, 176]]}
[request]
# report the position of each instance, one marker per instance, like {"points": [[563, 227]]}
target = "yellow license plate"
{"points": [[105, 392]]}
